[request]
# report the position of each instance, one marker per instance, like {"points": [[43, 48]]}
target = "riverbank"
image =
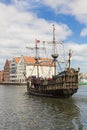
{"points": [[82, 83], [9, 83]]}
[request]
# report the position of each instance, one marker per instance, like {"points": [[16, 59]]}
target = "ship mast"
{"points": [[70, 55], [37, 58], [54, 55]]}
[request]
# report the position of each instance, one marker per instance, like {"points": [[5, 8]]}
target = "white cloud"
{"points": [[26, 4], [84, 32], [77, 8], [79, 58], [19, 28], [79, 49]]}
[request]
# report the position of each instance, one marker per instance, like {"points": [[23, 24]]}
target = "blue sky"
{"points": [[21, 21]]}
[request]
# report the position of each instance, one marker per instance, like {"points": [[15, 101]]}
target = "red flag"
{"points": [[37, 41]]}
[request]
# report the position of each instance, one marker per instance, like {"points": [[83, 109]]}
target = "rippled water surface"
{"points": [[19, 111]]}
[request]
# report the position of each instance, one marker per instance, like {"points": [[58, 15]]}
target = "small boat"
{"points": [[62, 84]]}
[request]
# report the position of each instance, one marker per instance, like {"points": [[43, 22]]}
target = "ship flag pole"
{"points": [[37, 58], [54, 55], [70, 55]]}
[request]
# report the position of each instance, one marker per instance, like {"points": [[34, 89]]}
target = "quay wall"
{"points": [[10, 83]]}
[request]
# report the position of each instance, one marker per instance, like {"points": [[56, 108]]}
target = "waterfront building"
{"points": [[18, 69], [24, 67], [21, 70], [46, 68], [6, 72], [13, 69], [82, 77]]}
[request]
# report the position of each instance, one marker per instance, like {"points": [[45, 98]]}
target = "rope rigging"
{"points": [[59, 65], [55, 56]]}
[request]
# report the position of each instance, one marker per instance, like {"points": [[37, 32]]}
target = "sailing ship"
{"points": [[63, 84]]}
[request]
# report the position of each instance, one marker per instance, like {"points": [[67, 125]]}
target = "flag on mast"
{"points": [[37, 41]]}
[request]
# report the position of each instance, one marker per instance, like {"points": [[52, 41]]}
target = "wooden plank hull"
{"points": [[64, 85], [56, 94]]}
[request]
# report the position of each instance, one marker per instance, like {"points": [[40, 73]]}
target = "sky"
{"points": [[23, 21]]}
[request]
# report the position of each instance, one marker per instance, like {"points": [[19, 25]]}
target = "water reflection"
{"points": [[58, 114], [19, 111]]}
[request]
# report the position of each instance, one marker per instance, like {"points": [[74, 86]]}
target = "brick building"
{"points": [[6, 72], [1, 76]]}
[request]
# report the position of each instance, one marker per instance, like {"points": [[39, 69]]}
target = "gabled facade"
{"points": [[13, 69], [24, 66], [21, 70], [6, 72]]}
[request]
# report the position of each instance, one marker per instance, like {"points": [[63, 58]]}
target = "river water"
{"points": [[19, 111]]}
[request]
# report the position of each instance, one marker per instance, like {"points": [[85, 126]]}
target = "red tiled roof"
{"points": [[44, 61], [16, 59], [29, 59]]}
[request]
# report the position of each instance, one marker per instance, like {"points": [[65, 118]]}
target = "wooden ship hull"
{"points": [[63, 85]]}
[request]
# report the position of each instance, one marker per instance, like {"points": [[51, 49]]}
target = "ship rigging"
{"points": [[61, 84]]}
